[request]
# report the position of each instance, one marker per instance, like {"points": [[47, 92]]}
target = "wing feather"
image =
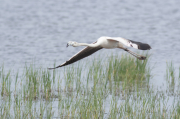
{"points": [[141, 46], [80, 55], [131, 43]]}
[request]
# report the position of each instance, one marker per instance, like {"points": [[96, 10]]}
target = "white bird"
{"points": [[108, 43]]}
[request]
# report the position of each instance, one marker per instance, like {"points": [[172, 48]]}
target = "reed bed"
{"points": [[118, 87]]}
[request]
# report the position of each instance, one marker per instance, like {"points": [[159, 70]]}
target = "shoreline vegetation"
{"points": [[117, 88]]}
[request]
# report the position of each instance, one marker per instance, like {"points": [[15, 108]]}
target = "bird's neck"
{"points": [[86, 44]]}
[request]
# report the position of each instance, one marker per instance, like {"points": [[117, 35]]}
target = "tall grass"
{"points": [[5, 82], [170, 76], [127, 68], [114, 88], [128, 71]]}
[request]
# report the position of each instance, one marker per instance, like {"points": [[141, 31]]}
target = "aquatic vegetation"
{"points": [[116, 88]]}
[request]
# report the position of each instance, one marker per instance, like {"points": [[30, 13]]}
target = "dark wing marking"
{"points": [[80, 55], [141, 46]]}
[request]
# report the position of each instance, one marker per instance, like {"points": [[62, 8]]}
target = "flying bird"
{"points": [[107, 43]]}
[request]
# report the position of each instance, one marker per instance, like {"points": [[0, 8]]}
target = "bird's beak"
{"points": [[67, 45]]}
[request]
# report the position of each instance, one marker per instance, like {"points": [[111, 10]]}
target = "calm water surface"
{"points": [[32, 30]]}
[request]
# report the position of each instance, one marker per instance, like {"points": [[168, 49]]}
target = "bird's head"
{"points": [[72, 43]]}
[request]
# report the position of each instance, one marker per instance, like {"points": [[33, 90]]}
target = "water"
{"points": [[39, 30]]}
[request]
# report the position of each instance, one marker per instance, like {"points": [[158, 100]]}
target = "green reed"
{"points": [[170, 71], [30, 83], [115, 87], [170, 76], [5, 82], [127, 67]]}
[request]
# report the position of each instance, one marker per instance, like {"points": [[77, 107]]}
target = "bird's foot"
{"points": [[142, 58]]}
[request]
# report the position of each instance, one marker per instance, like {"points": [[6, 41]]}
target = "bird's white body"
{"points": [[108, 43], [115, 42]]}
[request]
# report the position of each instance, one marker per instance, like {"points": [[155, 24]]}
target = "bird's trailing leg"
{"points": [[140, 57]]}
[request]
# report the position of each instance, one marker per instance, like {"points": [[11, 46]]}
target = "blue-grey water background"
{"points": [[38, 31]]}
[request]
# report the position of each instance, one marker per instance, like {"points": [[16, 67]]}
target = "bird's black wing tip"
{"points": [[144, 46], [149, 47], [56, 67], [50, 68]]}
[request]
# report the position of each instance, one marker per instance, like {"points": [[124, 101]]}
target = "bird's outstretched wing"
{"points": [[131, 43], [141, 46], [80, 55]]}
